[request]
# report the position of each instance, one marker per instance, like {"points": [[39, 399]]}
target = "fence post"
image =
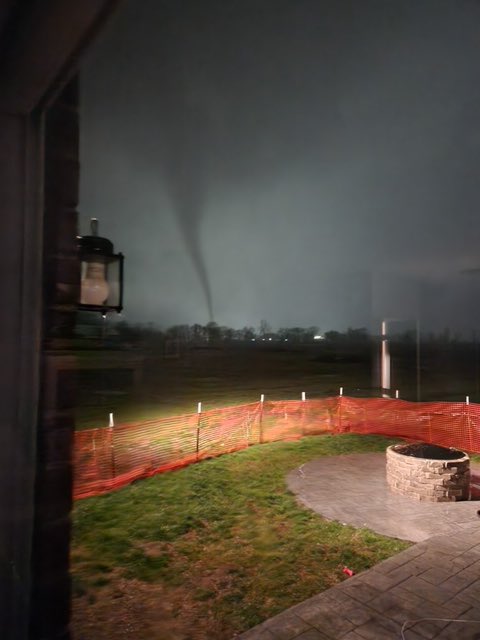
{"points": [[262, 400], [199, 412], [340, 410], [112, 451], [94, 453], [304, 399], [469, 425]]}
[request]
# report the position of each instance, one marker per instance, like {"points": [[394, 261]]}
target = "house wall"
{"points": [[41, 43], [61, 277], [20, 296]]}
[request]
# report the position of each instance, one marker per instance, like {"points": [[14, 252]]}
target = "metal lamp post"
{"points": [[385, 361]]}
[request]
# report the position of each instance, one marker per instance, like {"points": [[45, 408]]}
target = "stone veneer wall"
{"points": [[428, 480]]}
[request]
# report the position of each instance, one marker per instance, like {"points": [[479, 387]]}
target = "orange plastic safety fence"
{"points": [[449, 424], [292, 419], [109, 458], [226, 430]]}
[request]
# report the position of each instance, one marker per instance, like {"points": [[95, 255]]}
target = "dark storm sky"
{"points": [[307, 162]]}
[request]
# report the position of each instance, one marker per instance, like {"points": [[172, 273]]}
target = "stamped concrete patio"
{"points": [[437, 578]]}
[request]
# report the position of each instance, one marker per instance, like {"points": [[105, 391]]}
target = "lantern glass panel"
{"points": [[114, 278], [102, 282], [95, 289]]}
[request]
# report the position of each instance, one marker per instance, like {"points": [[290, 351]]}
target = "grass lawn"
{"points": [[212, 549]]}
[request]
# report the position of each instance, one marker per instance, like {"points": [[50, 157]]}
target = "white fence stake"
{"points": [[112, 444], [199, 411], [304, 397], [341, 391], [467, 399], [396, 394], [260, 425]]}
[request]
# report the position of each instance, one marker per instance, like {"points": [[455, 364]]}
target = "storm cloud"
{"points": [[305, 162]]}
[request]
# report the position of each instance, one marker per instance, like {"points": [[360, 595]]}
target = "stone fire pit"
{"points": [[428, 472]]}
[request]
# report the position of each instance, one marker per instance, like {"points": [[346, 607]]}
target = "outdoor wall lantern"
{"points": [[101, 273]]}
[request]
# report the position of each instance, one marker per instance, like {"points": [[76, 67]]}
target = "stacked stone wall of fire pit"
{"points": [[434, 479]]}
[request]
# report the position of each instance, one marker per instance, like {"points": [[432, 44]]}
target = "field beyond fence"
{"points": [[111, 457]]}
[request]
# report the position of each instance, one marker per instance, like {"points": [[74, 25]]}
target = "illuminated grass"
{"points": [[224, 533], [217, 379], [231, 376]]}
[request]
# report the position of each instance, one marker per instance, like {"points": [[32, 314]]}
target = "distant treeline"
{"points": [[213, 333]]}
